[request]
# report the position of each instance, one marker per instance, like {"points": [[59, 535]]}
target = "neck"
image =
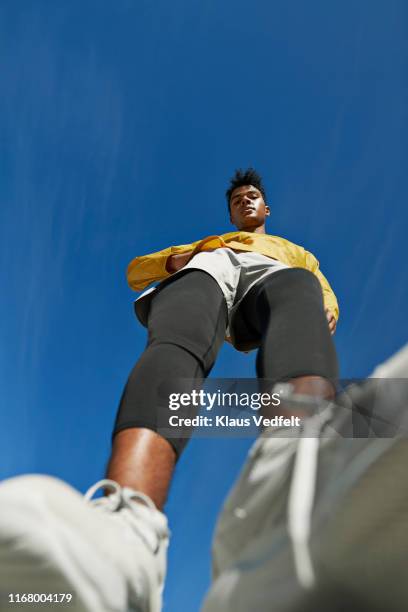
{"points": [[253, 230]]}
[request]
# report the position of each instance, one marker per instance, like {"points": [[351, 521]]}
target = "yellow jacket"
{"points": [[147, 269]]}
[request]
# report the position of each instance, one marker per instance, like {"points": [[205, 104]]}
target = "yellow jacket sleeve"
{"points": [[147, 269], [329, 298]]}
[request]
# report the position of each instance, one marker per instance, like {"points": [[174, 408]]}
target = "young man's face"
{"points": [[248, 209]]}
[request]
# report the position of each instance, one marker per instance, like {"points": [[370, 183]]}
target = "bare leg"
{"points": [[143, 460], [178, 349], [315, 386]]}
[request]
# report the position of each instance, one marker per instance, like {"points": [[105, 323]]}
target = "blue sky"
{"points": [[120, 125]]}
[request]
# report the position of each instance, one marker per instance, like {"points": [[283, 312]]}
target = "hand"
{"points": [[177, 261], [331, 319]]}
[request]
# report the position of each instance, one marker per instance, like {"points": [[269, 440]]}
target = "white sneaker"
{"points": [[109, 554]]}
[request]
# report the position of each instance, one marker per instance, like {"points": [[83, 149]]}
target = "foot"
{"points": [[109, 553]]}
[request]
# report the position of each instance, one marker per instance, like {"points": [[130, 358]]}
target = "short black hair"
{"points": [[245, 177]]}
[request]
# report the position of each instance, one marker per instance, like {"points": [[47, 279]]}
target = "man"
{"points": [[263, 292]]}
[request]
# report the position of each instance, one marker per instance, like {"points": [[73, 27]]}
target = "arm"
{"points": [[175, 262], [147, 269], [329, 298]]}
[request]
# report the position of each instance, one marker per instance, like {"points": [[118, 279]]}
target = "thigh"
{"points": [[290, 295], [190, 312], [287, 312]]}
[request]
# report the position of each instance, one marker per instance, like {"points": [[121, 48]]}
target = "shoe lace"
{"points": [[302, 493], [122, 500], [110, 502]]}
